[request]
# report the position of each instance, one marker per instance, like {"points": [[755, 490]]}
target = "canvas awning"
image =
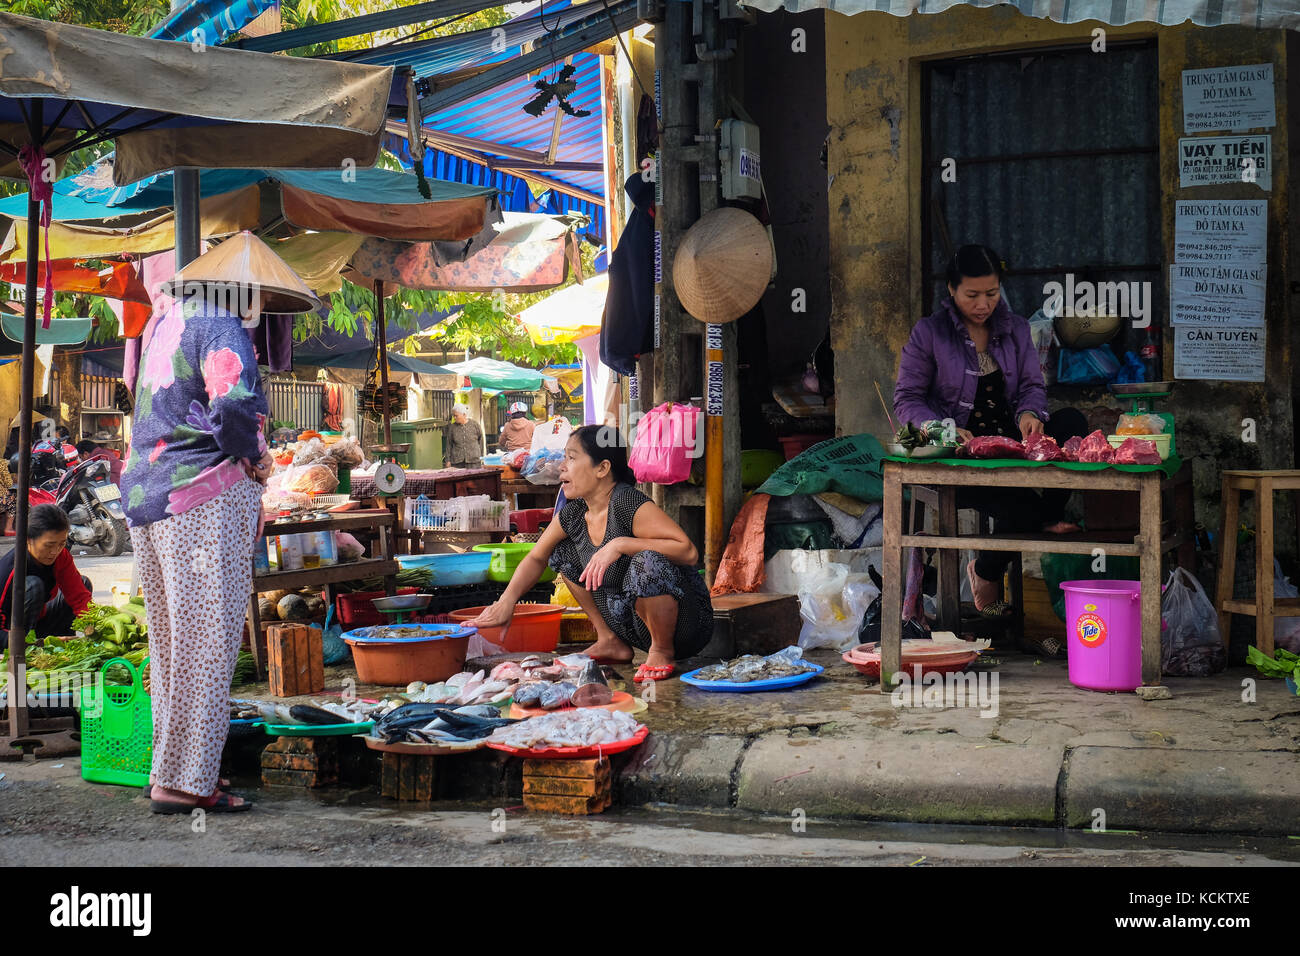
{"points": [[531, 253], [569, 314], [352, 368], [167, 107], [1261, 14]]}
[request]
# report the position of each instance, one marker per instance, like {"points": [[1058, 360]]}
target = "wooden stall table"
{"points": [[1153, 537], [527, 494], [440, 484], [385, 566]]}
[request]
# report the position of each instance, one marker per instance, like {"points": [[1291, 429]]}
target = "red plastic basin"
{"points": [[535, 627]]}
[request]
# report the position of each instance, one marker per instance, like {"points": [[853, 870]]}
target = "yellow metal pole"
{"points": [[714, 533]]}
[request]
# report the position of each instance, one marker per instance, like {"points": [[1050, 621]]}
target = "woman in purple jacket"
{"points": [[973, 361]]}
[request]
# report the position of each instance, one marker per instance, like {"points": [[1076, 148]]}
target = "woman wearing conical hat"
{"points": [[193, 490]]}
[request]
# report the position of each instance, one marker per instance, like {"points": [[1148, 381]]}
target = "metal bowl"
{"points": [[1152, 389], [403, 602]]}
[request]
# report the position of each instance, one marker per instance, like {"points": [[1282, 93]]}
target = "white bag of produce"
{"points": [[832, 603]]}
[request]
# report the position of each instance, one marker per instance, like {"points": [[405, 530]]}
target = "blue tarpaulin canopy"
{"points": [[210, 20]]}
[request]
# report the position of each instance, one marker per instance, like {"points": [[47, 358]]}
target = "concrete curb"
{"points": [[922, 779]]}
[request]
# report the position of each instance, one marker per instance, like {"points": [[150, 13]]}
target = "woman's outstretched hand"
{"points": [[1030, 424], [496, 615]]}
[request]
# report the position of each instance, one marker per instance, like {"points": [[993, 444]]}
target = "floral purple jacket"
{"points": [[199, 412], [939, 369]]}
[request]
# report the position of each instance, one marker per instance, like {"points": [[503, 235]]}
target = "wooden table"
{"points": [[384, 566], [528, 494], [1151, 540]]}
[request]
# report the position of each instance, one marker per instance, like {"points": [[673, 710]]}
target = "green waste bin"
{"points": [[425, 436]]}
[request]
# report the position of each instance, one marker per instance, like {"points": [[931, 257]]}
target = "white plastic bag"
{"points": [[1042, 331], [1286, 630], [832, 603], [1190, 642], [551, 435]]}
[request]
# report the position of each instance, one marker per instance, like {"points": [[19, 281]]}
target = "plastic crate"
{"points": [[358, 610], [456, 514]]}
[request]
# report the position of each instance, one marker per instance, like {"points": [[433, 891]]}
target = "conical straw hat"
{"points": [[245, 262], [723, 265]]}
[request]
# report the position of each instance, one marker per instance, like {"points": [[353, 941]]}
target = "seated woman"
{"points": [[629, 565], [55, 592], [974, 362]]}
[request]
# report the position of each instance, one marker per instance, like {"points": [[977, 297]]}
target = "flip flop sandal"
{"points": [[998, 609], [647, 672], [222, 784], [1047, 647], [219, 802]]}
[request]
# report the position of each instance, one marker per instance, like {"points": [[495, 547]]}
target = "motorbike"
{"points": [[92, 502], [94, 506]]}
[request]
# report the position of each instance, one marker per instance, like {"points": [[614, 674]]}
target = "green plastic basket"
{"points": [[506, 557], [117, 729]]}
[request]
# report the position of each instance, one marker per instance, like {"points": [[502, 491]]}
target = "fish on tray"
{"points": [[750, 667], [582, 727], [557, 695], [418, 722], [593, 690]]}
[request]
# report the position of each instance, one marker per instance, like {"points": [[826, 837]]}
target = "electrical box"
{"points": [[739, 156]]}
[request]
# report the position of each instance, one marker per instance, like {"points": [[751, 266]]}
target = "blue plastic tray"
{"points": [[772, 683], [436, 632]]}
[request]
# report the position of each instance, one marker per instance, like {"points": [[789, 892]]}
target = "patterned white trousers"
{"points": [[197, 573]]}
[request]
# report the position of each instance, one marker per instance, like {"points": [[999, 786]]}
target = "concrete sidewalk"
{"points": [[1054, 755], [1206, 761]]}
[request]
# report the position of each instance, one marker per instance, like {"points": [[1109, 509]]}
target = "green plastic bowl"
{"points": [[506, 557]]}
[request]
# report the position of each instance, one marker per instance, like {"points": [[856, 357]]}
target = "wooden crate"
{"points": [[408, 777], [301, 762], [755, 623], [568, 786], [295, 659]]}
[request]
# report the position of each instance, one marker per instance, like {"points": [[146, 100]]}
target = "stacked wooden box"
{"points": [[408, 777], [301, 762], [568, 786], [295, 659]]}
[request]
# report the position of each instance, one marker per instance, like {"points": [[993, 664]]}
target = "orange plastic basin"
{"points": [[397, 663], [535, 627]]}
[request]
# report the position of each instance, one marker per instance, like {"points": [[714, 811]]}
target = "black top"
{"points": [[992, 415], [624, 503]]}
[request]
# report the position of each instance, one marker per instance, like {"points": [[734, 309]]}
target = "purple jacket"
{"points": [[938, 371]]}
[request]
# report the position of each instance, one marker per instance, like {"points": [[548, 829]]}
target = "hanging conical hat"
{"points": [[245, 261], [723, 265]]}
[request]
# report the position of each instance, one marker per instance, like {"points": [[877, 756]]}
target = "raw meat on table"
{"points": [[1095, 448], [1040, 447], [1137, 451], [994, 446]]}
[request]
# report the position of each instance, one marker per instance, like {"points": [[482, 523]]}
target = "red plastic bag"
{"points": [[668, 439], [994, 446], [1095, 448], [1137, 451], [1040, 447], [1070, 450]]}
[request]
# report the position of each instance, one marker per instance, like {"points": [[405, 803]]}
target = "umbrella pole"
{"points": [[383, 360], [17, 626]]}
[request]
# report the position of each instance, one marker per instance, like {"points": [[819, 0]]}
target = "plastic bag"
{"points": [[347, 452], [1042, 331], [832, 603], [318, 478], [1286, 630], [551, 435], [1086, 366], [668, 439], [1190, 644], [273, 502], [311, 452], [1141, 424], [1132, 371]]}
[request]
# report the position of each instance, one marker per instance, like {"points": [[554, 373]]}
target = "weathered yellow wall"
{"points": [[874, 108]]}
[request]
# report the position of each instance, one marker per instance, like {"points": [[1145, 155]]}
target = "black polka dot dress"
{"points": [[646, 574], [991, 414]]}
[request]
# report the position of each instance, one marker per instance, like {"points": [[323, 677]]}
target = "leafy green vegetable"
{"points": [[1282, 664], [245, 669]]}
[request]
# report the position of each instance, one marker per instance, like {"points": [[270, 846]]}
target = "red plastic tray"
{"points": [[577, 753]]}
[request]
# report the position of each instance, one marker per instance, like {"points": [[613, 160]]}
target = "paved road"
{"points": [[48, 815]]}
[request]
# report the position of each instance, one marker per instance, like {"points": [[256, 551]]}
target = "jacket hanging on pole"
{"points": [[628, 327]]}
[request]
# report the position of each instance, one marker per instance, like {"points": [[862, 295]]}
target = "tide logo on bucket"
{"points": [[1090, 627]]}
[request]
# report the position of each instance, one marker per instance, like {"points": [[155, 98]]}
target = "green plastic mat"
{"points": [[1168, 468]]}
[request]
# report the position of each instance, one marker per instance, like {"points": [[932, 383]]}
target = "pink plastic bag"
{"points": [[668, 439]]}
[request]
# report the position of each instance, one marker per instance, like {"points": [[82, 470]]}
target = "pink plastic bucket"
{"points": [[1103, 632]]}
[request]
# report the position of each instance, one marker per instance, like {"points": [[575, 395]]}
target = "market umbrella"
{"points": [[568, 315], [497, 375], [64, 87], [351, 368]]}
